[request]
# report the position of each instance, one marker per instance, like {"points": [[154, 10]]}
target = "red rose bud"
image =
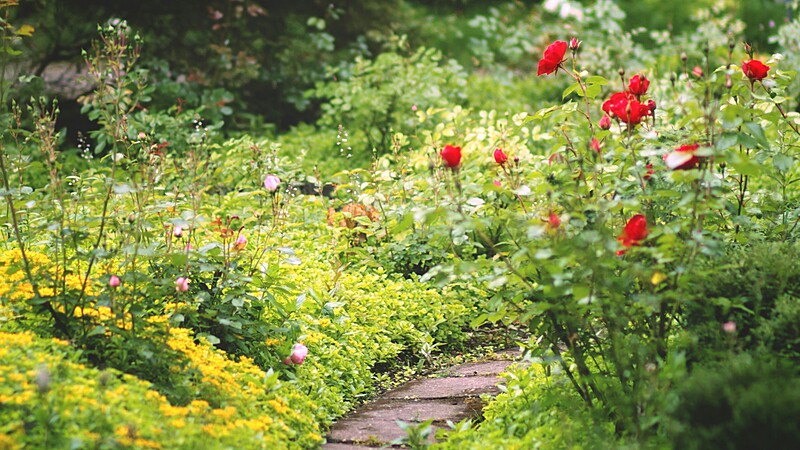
{"points": [[553, 57], [605, 122], [553, 221], [499, 156], [634, 233], [638, 85], [755, 70], [595, 145], [574, 44], [451, 155], [649, 172]]}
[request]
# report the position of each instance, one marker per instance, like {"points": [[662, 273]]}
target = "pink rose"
{"points": [[182, 284]]}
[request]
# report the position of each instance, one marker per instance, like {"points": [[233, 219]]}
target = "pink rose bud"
{"points": [[729, 327], [271, 183], [114, 281], [181, 284], [241, 242], [177, 231], [605, 122], [299, 353]]}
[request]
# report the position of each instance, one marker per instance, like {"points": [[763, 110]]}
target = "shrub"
{"points": [[738, 403]]}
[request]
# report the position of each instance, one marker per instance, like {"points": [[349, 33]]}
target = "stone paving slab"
{"points": [[479, 368], [417, 410], [369, 431], [340, 446], [431, 388], [441, 399]]}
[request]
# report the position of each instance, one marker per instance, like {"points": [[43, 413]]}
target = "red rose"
{"points": [[553, 56], [634, 233], [625, 107], [617, 99], [755, 69], [499, 156], [683, 158], [451, 155], [638, 85]]}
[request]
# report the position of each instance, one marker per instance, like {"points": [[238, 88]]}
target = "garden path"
{"points": [[452, 394]]}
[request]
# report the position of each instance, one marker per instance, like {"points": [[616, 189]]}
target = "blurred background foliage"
{"points": [[253, 63]]}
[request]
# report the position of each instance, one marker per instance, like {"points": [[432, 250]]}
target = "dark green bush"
{"points": [[741, 403], [750, 285]]}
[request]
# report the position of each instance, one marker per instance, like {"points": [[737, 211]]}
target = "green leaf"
{"points": [[478, 321], [782, 162], [574, 87], [758, 133], [298, 303], [596, 80], [97, 330], [726, 140], [593, 91], [25, 30]]}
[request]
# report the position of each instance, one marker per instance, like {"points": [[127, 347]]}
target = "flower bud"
{"points": [[605, 122], [729, 327], [595, 145], [499, 156], [241, 242], [299, 353], [271, 183], [182, 284]]}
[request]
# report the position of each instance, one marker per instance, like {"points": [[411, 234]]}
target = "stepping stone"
{"points": [[479, 368], [369, 432], [377, 422], [340, 446], [453, 398], [433, 388]]}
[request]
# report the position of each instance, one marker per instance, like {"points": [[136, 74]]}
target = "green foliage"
{"points": [[379, 97], [534, 411], [753, 286], [738, 403]]}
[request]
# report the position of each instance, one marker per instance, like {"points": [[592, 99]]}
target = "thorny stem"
{"points": [[588, 113]]}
